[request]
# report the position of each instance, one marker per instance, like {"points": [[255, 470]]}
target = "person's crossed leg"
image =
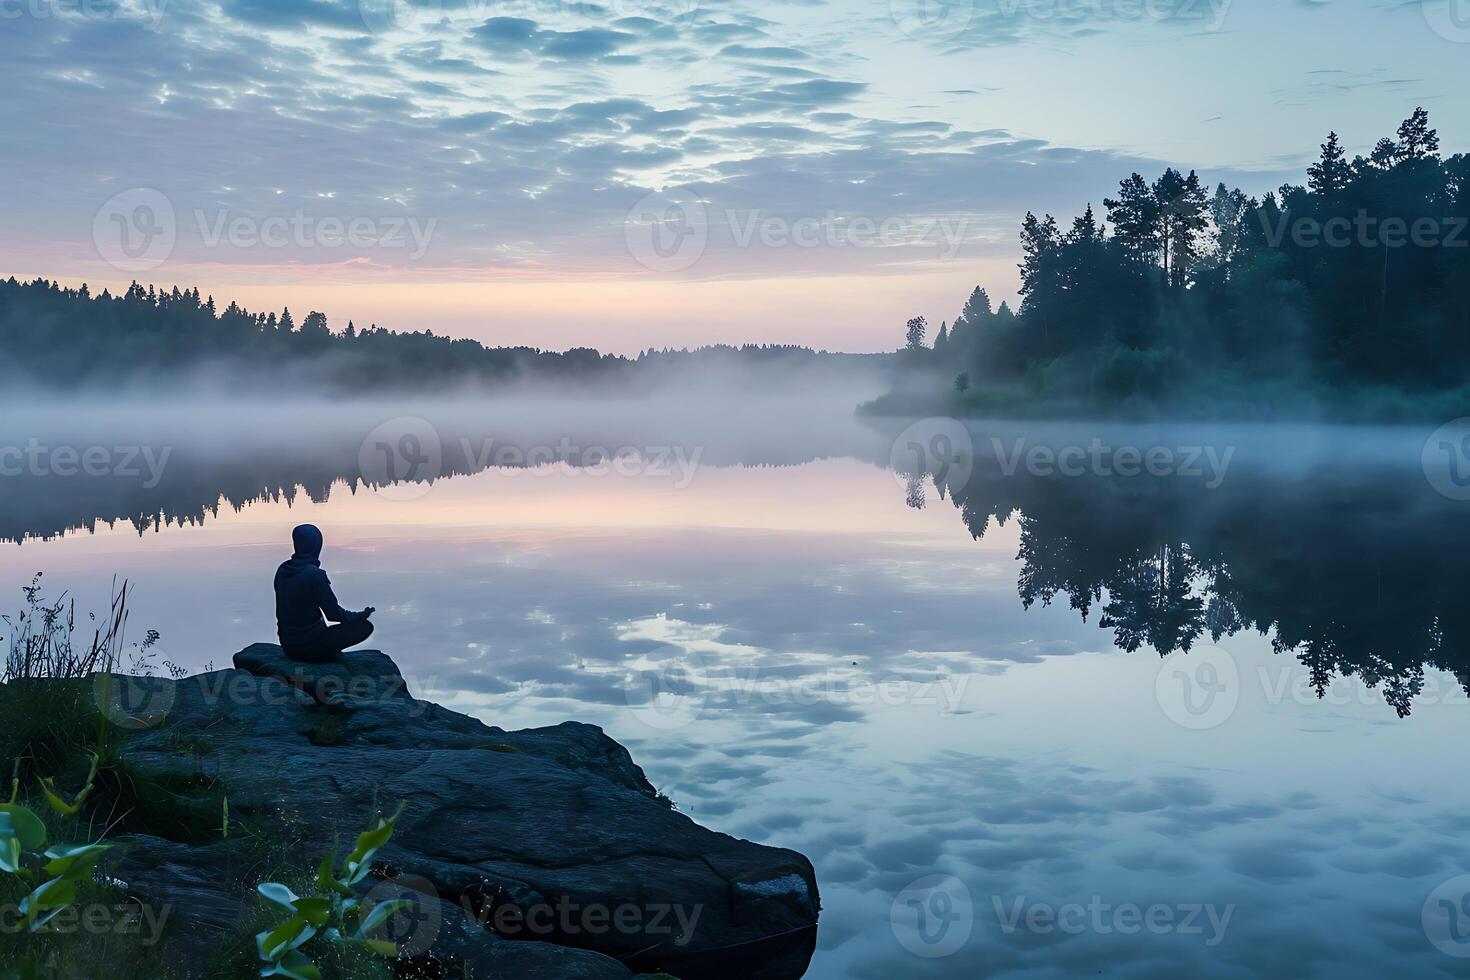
{"points": [[331, 643]]}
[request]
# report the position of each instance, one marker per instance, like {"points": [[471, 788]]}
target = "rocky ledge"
{"points": [[542, 853]]}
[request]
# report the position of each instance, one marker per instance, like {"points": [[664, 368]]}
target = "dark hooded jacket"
{"points": [[304, 593]]}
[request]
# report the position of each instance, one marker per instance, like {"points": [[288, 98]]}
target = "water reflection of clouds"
{"points": [[768, 604], [1306, 901], [776, 641]]}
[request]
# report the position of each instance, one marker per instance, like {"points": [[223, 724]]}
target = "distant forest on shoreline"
{"points": [[1348, 297], [163, 341]]}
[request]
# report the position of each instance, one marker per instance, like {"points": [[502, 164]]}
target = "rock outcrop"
{"points": [[537, 853]]}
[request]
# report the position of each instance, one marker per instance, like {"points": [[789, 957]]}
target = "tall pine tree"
{"points": [[1037, 239], [1134, 215], [1330, 174]]}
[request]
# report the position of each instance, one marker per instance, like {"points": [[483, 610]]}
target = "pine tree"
{"points": [[941, 339], [1037, 239], [1085, 228], [1416, 139], [1134, 215], [966, 330], [1181, 207], [1228, 210], [977, 309], [286, 324], [1330, 174], [1385, 154]]}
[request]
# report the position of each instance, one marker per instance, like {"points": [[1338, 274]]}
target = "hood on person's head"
{"points": [[307, 539]]}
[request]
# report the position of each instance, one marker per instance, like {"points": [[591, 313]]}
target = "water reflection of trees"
{"points": [[238, 470], [1358, 574]]}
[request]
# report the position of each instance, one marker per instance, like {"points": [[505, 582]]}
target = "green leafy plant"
{"points": [[48, 876], [333, 914]]}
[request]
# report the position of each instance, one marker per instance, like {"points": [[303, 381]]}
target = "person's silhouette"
{"points": [[304, 602]]}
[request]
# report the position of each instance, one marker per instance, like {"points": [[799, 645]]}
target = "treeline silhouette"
{"points": [[1352, 291], [59, 336], [1356, 574]]}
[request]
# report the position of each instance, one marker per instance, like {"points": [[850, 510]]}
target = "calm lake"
{"points": [[929, 659]]}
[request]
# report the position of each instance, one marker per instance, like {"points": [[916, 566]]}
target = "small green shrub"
{"points": [[333, 913], [46, 880]]}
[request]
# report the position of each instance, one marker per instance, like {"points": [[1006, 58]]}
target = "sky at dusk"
{"points": [[657, 172]]}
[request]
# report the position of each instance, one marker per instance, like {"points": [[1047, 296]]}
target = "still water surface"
{"points": [[944, 686]]}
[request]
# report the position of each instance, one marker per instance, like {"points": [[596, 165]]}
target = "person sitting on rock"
{"points": [[304, 602]]}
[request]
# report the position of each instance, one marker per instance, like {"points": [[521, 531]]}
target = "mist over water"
{"points": [[68, 462]]}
